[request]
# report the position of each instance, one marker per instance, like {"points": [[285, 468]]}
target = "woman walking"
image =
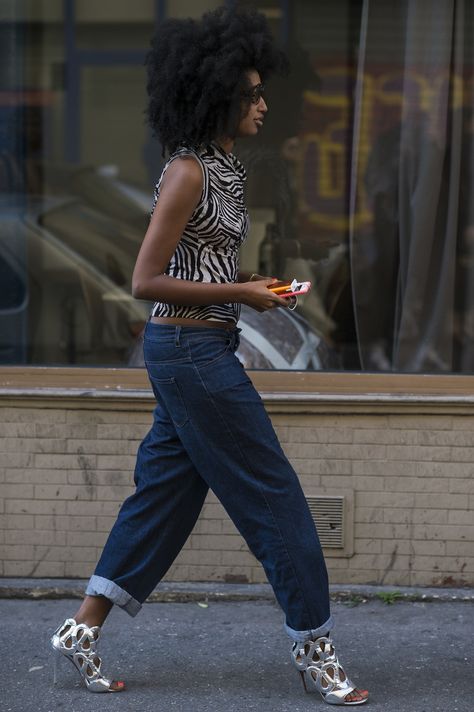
{"points": [[210, 429]]}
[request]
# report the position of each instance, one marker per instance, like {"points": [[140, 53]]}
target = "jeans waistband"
{"points": [[177, 332]]}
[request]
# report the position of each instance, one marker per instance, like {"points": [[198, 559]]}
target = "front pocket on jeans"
{"points": [[169, 394]]}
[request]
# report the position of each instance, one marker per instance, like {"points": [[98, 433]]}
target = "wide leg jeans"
{"points": [[210, 430]]}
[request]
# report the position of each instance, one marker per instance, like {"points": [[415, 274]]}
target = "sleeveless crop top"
{"points": [[209, 246]]}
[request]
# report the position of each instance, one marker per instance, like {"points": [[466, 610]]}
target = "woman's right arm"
{"points": [[180, 192]]}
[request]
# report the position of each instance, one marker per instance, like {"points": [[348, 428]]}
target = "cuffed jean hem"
{"points": [[100, 586], [301, 636]]}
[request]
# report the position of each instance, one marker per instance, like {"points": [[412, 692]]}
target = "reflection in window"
{"points": [[13, 291], [360, 182]]}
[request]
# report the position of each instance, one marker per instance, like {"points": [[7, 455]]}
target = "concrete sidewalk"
{"points": [[233, 656]]}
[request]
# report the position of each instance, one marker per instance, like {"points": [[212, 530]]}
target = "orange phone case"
{"points": [[290, 289]]}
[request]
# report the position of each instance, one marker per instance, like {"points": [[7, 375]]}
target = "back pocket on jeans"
{"points": [[169, 394]]}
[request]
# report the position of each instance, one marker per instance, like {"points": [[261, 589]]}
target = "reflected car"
{"points": [[66, 264]]}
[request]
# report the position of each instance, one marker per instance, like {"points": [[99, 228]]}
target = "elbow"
{"points": [[138, 290], [145, 286], [139, 284]]}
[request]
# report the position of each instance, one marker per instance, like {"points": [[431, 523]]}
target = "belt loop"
{"points": [[177, 336], [236, 339]]}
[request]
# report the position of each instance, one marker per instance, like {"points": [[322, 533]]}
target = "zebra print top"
{"points": [[208, 248]]}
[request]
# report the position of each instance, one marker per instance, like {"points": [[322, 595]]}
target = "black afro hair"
{"points": [[197, 74]]}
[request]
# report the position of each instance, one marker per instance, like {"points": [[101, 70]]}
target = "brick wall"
{"points": [[65, 467]]}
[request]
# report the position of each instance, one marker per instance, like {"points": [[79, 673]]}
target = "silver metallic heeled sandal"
{"points": [[77, 643], [318, 665]]}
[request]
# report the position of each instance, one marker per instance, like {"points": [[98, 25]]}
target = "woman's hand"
{"points": [[256, 294]]}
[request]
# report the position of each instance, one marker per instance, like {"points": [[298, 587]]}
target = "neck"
{"points": [[227, 144]]}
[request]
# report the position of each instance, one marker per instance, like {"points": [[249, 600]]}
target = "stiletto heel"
{"points": [[77, 643], [317, 662], [56, 655]]}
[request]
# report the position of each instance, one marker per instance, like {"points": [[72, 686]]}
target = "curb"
{"points": [[41, 589]]}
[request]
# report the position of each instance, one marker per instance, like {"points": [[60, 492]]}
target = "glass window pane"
{"points": [[360, 181]]}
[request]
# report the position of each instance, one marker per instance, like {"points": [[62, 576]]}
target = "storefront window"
{"points": [[359, 182]]}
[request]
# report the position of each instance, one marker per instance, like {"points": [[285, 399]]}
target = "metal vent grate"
{"points": [[328, 515]]}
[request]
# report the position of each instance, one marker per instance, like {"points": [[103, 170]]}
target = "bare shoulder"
{"points": [[185, 172]]}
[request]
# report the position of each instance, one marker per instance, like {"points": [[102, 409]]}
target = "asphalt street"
{"points": [[234, 657]]}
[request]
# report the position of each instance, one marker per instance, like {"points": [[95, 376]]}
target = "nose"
{"points": [[262, 105]]}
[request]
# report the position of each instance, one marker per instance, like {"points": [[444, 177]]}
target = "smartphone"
{"points": [[290, 289]]}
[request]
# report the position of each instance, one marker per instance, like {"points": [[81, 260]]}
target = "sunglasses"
{"points": [[255, 93]]}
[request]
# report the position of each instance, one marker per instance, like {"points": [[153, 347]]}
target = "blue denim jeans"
{"points": [[210, 430]]}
